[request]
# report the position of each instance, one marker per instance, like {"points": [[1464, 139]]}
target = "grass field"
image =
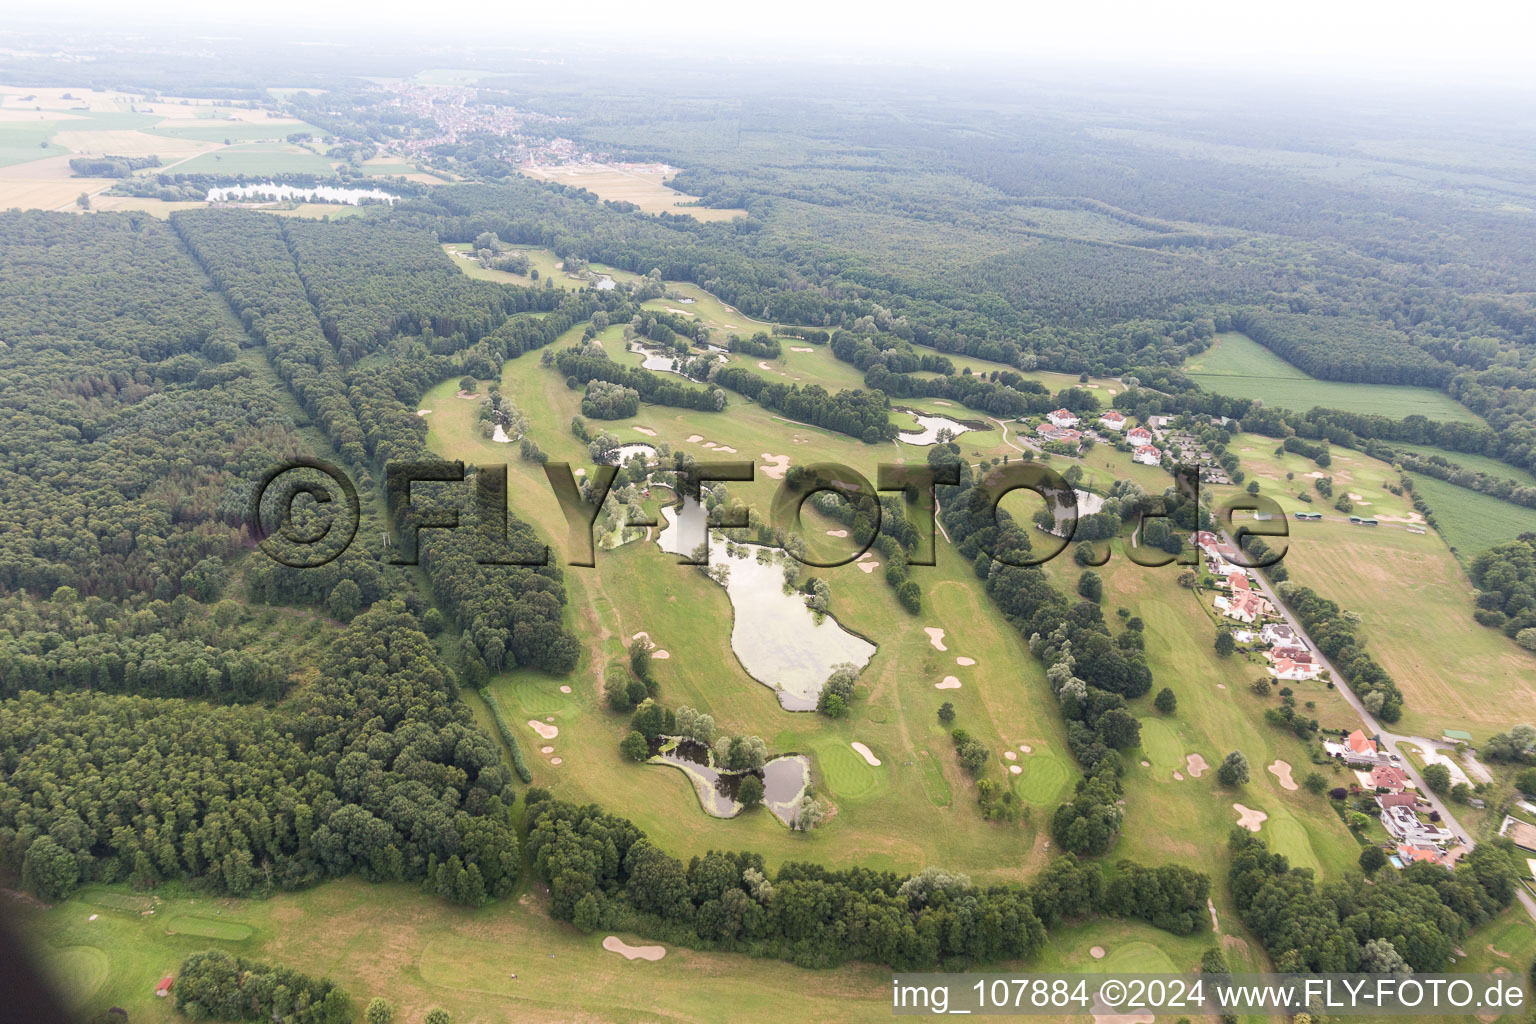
{"points": [[258, 158], [208, 928], [1473, 522], [235, 131], [1477, 463], [1416, 609], [630, 183], [1237, 365]]}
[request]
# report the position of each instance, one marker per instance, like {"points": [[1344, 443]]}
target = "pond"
{"points": [[624, 452], [1088, 504], [661, 361], [931, 426], [784, 778], [778, 640], [319, 193], [604, 283]]}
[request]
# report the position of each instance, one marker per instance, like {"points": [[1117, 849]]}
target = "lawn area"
{"points": [[1238, 366], [547, 264], [1477, 463], [258, 158], [207, 130], [1416, 609], [1284, 476]]}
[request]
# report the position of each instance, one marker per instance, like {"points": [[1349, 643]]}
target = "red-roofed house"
{"points": [[1285, 668], [1205, 540], [1148, 456], [1403, 799], [1139, 435], [164, 988], [1245, 606], [1412, 854], [1113, 420], [1062, 418], [1389, 776], [1360, 743], [1238, 581]]}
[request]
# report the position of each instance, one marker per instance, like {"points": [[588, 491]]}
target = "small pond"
{"points": [[784, 778], [777, 639], [320, 193], [931, 426], [624, 452]]}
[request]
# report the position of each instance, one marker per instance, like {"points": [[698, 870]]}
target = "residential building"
{"points": [[1280, 635], [1401, 823], [1148, 456], [1139, 436], [1112, 420], [1407, 798], [1062, 418], [1389, 776], [1294, 671]]}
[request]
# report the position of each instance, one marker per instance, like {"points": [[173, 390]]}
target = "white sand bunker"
{"points": [[467, 394], [796, 348], [1010, 755], [581, 472], [647, 431], [965, 662], [780, 465], [1146, 764], [1249, 818], [940, 401], [837, 533], [949, 683], [868, 566], [614, 944], [1221, 686], [643, 635], [1282, 771], [1097, 952], [1026, 748], [1014, 769], [546, 750], [423, 412], [935, 637], [547, 732], [763, 364], [1178, 776], [1195, 765], [555, 760], [695, 438], [1357, 497], [565, 689], [660, 655], [865, 753]]}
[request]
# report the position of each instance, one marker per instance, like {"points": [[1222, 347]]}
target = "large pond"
{"points": [[321, 193], [662, 361], [1088, 504], [624, 452], [931, 426], [784, 778], [778, 640]]}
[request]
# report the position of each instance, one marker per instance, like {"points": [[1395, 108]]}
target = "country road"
{"points": [[1388, 740]]}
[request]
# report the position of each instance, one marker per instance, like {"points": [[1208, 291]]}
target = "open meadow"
{"points": [[1238, 366], [640, 184]]}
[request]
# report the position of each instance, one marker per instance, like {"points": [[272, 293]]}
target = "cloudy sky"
{"points": [[1475, 41]]}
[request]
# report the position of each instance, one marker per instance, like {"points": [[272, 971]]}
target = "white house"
{"points": [[1402, 823], [1139, 436], [1062, 418], [1280, 635], [1285, 668], [1148, 456], [1244, 606], [1112, 420]]}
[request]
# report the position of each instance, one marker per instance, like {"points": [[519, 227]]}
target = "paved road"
{"points": [[1388, 740]]}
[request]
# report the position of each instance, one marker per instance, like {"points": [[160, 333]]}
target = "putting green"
{"points": [[1287, 836], [1134, 958], [537, 697], [1043, 779], [77, 971], [845, 771], [208, 928], [1161, 745]]}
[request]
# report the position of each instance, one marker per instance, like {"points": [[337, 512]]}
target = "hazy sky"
{"points": [[1474, 41]]}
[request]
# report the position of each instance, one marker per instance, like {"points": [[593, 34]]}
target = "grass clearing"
{"points": [[208, 928], [1238, 366], [640, 184], [257, 159], [1471, 521]]}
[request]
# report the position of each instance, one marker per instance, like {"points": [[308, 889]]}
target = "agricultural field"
{"points": [[1472, 522], [641, 184], [1237, 365], [258, 158], [1476, 463], [1415, 607]]}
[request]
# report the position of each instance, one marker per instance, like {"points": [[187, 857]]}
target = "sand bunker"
{"points": [[614, 944], [565, 689], [643, 635], [660, 655], [1146, 764], [1282, 771], [1097, 952], [763, 364], [1010, 755], [467, 394], [948, 683], [695, 438], [555, 760], [423, 412], [1249, 818], [1221, 686], [546, 750], [935, 637], [837, 533], [940, 401], [780, 465], [1195, 765], [1178, 776], [796, 348], [868, 566], [547, 732], [965, 662], [1026, 748], [1015, 770], [866, 754], [1357, 497], [647, 431]]}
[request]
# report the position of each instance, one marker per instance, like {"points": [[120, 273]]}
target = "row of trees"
{"points": [[604, 873], [861, 414]]}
